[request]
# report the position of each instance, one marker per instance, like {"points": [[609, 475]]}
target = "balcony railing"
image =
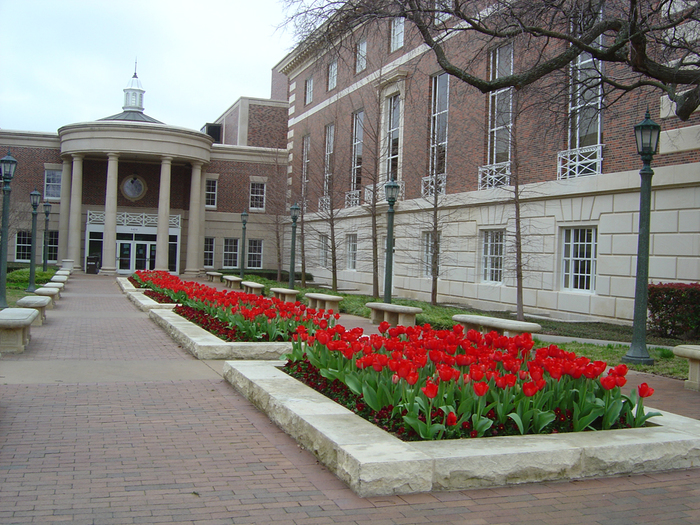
{"points": [[352, 198], [429, 183], [494, 175], [132, 219], [580, 162], [324, 203]]}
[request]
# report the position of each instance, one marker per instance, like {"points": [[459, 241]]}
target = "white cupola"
{"points": [[133, 95]]}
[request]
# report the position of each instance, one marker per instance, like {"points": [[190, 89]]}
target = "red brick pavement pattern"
{"points": [[196, 452]]}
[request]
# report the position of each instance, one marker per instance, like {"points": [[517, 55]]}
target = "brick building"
{"points": [[375, 106], [137, 193]]}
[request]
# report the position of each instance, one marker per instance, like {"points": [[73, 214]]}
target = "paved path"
{"points": [[105, 420]]}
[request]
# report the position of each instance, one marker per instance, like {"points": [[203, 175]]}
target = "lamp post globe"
{"points": [[646, 135], [8, 165], [34, 198], [391, 191]]}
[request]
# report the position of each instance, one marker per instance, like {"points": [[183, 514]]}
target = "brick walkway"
{"points": [[184, 450]]}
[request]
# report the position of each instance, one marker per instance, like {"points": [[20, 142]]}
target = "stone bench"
{"points": [[233, 282], [59, 278], [65, 273], [322, 301], [485, 324], [285, 294], [211, 275], [252, 288], [692, 354], [15, 326], [394, 314], [38, 303], [53, 293], [58, 286]]}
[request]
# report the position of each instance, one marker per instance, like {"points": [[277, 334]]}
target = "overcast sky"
{"points": [[67, 61]]}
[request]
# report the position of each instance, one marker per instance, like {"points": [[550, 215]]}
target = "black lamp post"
{"points": [[34, 198], [244, 220], [8, 164], [647, 135], [391, 190], [294, 212], [47, 211]]}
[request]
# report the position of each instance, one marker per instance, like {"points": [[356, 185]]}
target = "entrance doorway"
{"points": [[136, 252]]}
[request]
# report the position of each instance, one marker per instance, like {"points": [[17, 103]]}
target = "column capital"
{"points": [[112, 155], [166, 160], [78, 156]]}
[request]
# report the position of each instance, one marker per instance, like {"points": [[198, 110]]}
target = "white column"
{"points": [[163, 214], [194, 240], [76, 212], [64, 212], [109, 238]]}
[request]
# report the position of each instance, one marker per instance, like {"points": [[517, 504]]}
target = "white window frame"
{"points": [[393, 136], [323, 251], [500, 123], [255, 249], [329, 141], [332, 74], [52, 187], [351, 251], [579, 258], [26, 245], [396, 34], [209, 251], [305, 163], [211, 191], [257, 198], [439, 119], [493, 255], [308, 91], [427, 253], [358, 132], [52, 246], [361, 56], [231, 252]]}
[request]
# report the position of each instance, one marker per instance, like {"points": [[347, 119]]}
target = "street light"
{"points": [[391, 190], [647, 136], [244, 220], [8, 164], [294, 212], [47, 211], [34, 198]]}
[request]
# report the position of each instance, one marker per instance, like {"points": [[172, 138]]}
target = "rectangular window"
{"points": [[230, 253], [392, 138], [255, 253], [579, 259], [332, 74], [396, 37], [323, 252], [328, 160], [209, 252], [428, 250], [358, 132], [210, 193], [305, 149], [438, 135], [351, 249], [493, 255], [309, 90], [361, 56], [257, 195], [52, 246], [442, 13], [23, 246], [52, 185]]}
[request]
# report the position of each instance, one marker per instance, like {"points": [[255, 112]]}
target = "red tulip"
{"points": [[451, 419], [644, 390], [430, 389], [608, 382], [480, 388], [529, 389]]}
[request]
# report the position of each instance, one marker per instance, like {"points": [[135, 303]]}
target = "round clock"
{"points": [[134, 188]]}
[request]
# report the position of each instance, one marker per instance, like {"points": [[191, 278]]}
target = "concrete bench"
{"points": [[322, 301], [55, 286], [285, 294], [59, 278], [233, 282], [253, 288], [692, 354], [65, 273], [486, 324], [53, 293], [211, 275], [38, 303], [394, 314], [15, 326]]}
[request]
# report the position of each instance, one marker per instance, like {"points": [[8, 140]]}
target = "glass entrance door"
{"points": [[124, 251], [134, 255]]}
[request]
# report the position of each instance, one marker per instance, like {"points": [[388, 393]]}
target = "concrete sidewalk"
{"points": [[104, 419]]}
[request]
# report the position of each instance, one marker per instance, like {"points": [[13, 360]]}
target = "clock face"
{"points": [[134, 188]]}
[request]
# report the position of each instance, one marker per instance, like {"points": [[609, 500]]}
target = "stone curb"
{"points": [[146, 304], [375, 463], [204, 345]]}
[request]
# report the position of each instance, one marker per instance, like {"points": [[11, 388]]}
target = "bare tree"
{"points": [[644, 43]]}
